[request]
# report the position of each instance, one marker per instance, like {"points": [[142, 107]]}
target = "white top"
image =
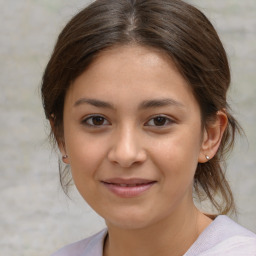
{"points": [[222, 237]]}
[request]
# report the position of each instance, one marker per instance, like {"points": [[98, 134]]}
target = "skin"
{"points": [[148, 126]]}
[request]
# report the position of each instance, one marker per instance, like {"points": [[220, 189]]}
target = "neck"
{"points": [[172, 236]]}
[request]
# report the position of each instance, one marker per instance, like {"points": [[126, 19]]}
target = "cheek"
{"points": [[177, 155], [85, 154]]}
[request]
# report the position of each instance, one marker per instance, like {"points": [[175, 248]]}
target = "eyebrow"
{"points": [[143, 105], [160, 103], [94, 102]]}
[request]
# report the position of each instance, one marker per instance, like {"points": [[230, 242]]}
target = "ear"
{"points": [[60, 142], [212, 136]]}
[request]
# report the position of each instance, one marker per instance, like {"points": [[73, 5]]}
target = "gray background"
{"points": [[35, 216]]}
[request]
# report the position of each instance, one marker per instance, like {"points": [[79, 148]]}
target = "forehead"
{"points": [[139, 56], [120, 71]]}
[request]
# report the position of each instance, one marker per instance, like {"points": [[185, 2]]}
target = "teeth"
{"points": [[128, 185]]}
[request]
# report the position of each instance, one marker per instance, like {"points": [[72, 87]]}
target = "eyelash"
{"points": [[164, 121], [89, 119]]}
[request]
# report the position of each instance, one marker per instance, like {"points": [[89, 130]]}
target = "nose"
{"points": [[127, 149]]}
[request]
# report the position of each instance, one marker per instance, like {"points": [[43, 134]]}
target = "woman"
{"points": [[135, 92]]}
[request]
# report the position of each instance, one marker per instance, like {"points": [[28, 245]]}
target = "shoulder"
{"points": [[224, 237], [234, 246], [92, 246]]}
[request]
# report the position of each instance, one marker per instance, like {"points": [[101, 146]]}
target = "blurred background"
{"points": [[36, 217]]}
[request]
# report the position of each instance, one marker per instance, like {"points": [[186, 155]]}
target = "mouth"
{"points": [[127, 188]]}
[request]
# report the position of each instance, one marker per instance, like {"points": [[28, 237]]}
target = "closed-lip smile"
{"points": [[128, 187]]}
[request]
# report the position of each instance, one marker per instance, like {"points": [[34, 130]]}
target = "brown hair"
{"points": [[183, 33]]}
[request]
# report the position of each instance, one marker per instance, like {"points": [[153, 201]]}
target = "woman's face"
{"points": [[132, 132]]}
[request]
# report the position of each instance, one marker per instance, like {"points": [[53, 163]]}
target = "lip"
{"points": [[128, 188]]}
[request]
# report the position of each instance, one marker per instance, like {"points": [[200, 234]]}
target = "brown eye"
{"points": [[95, 121], [159, 121], [98, 120]]}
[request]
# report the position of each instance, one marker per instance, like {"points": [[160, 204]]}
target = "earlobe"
{"points": [[212, 137], [65, 159], [60, 142], [61, 146]]}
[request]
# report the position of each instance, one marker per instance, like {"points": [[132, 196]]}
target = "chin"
{"points": [[130, 220], [128, 224]]}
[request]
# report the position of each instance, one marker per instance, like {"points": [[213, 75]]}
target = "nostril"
{"points": [[125, 159], [126, 149]]}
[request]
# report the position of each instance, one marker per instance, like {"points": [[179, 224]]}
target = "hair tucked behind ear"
{"points": [[175, 27], [210, 177]]}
